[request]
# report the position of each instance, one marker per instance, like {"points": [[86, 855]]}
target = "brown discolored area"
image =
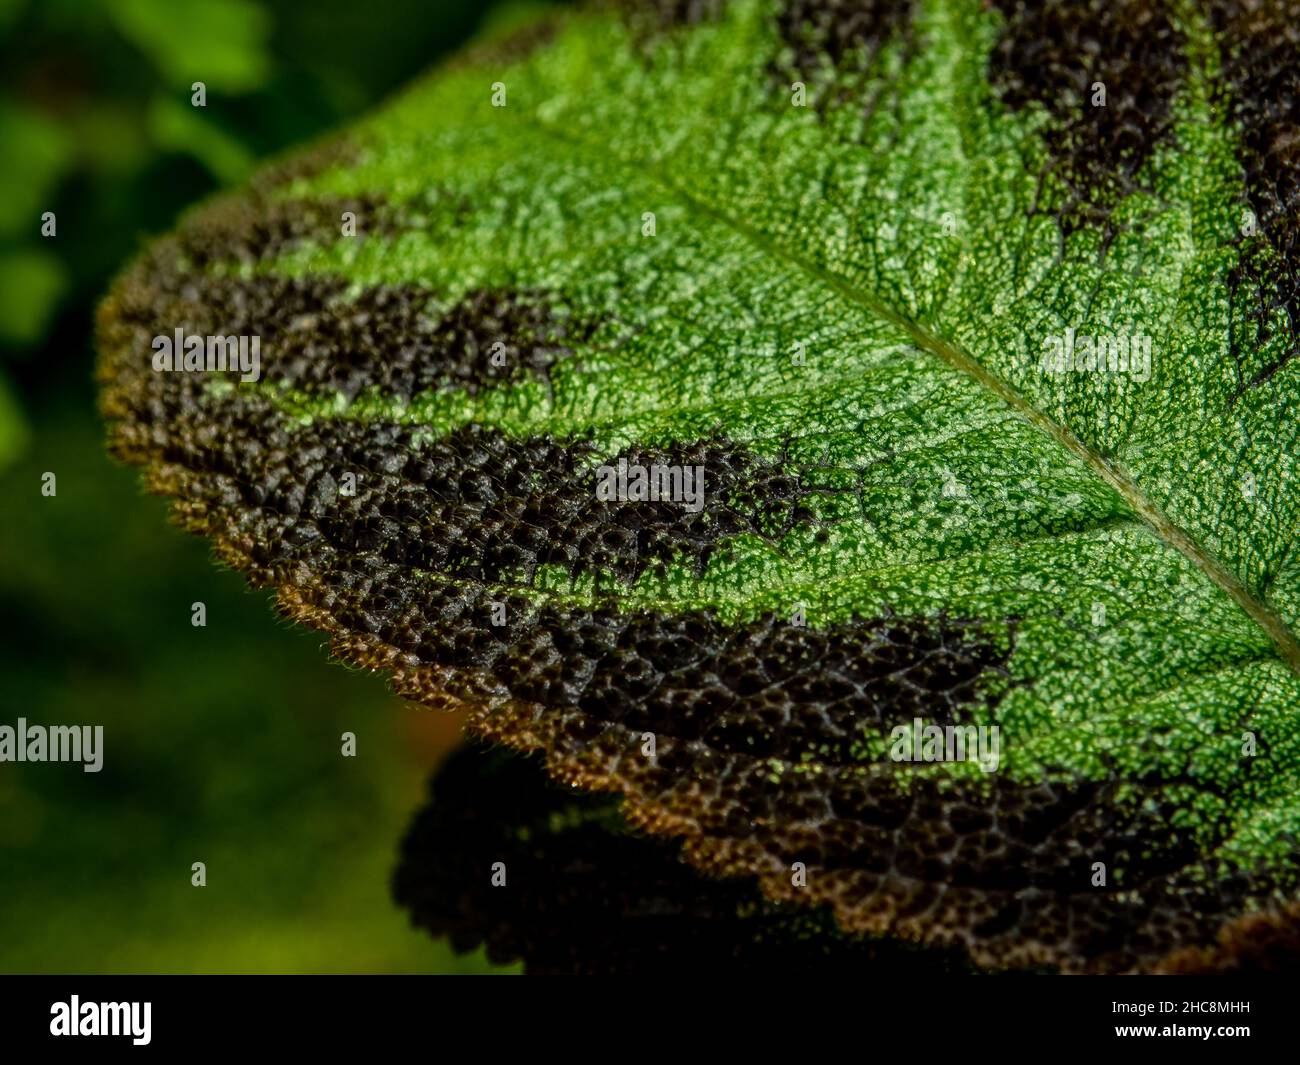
{"points": [[1266, 942], [248, 231], [671, 13], [1261, 73], [585, 895], [263, 220], [320, 337], [495, 509], [1000, 870], [475, 505], [1052, 52], [317, 334], [431, 526], [838, 33], [767, 689], [997, 869]]}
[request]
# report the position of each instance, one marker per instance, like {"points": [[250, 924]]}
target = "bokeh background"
{"points": [[222, 744]]}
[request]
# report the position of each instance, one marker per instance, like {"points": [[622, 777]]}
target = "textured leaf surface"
{"points": [[841, 315], [583, 894]]}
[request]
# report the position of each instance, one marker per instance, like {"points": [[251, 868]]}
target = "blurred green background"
{"points": [[222, 744]]}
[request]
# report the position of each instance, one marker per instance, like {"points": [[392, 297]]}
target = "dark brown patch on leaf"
{"points": [[502, 507], [1261, 68], [261, 221], [475, 505], [315, 334], [305, 162], [1266, 942], [318, 337], [768, 689], [1001, 870], [248, 231], [667, 14], [1052, 53], [585, 895], [838, 33]]}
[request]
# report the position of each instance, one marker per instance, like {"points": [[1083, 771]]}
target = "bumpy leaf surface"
{"points": [[822, 250], [502, 857]]}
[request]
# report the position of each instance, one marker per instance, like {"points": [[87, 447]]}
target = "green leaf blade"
{"points": [[842, 315]]}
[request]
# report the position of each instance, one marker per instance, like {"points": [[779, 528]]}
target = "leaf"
{"points": [[14, 432], [224, 45], [179, 127], [871, 320], [32, 282], [38, 156], [502, 856]]}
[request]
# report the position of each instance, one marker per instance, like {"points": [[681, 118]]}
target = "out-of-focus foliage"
{"points": [[222, 744], [226, 40], [97, 124]]}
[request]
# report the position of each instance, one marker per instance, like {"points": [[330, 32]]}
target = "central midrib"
{"points": [[1164, 528]]}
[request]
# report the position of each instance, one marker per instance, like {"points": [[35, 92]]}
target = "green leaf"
{"points": [[37, 154], [222, 43], [14, 432], [32, 281], [924, 504], [178, 127]]}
